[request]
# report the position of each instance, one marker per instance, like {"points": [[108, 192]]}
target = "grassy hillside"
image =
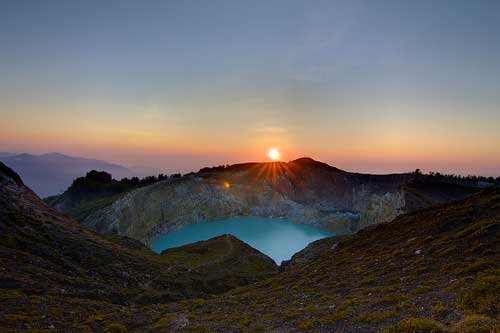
{"points": [[54, 273], [434, 270]]}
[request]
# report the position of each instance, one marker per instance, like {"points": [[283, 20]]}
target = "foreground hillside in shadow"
{"points": [[55, 273], [433, 270]]}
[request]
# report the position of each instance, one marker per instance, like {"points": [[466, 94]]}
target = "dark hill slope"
{"points": [[222, 262], [55, 272], [427, 271]]}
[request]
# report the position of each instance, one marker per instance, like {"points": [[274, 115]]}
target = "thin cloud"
{"points": [[271, 130]]}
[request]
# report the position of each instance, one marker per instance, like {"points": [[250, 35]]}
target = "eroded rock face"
{"points": [[304, 191]]}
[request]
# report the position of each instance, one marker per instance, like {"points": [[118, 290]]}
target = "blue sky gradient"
{"points": [[380, 86]]}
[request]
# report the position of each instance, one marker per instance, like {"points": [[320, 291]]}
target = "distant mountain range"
{"points": [[52, 173], [5, 154]]}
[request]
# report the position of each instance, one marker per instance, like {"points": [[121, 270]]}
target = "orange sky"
{"points": [[172, 147]]}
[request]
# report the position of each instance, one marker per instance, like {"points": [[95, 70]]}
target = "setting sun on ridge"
{"points": [[274, 154]]}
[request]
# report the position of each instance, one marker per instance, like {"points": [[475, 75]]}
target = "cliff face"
{"points": [[304, 191]]}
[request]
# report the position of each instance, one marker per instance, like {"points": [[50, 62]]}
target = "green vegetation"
{"points": [[10, 293], [367, 280], [193, 303], [164, 323], [416, 325], [376, 317], [394, 298], [371, 282], [484, 295], [410, 275], [76, 280], [476, 324], [335, 316], [95, 191], [439, 310], [422, 290], [306, 324], [115, 328]]}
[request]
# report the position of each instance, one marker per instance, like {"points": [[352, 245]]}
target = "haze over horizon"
{"points": [[376, 87]]}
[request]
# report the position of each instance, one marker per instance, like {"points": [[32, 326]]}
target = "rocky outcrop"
{"points": [[304, 191]]}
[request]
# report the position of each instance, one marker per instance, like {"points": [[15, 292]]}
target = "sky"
{"points": [[367, 86]]}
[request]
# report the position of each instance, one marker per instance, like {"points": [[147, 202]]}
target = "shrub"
{"points": [[478, 265], [475, 324], [115, 328], [164, 323], [193, 304], [439, 310], [311, 308], [10, 293], [244, 322], [366, 280], [495, 329], [477, 229], [195, 328], [389, 299], [306, 324], [375, 317], [335, 317], [421, 290], [484, 296], [416, 325]]}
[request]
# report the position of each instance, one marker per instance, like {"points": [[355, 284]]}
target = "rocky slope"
{"points": [[434, 270], [55, 273], [304, 191]]}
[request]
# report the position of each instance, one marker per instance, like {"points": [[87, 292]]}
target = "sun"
{"points": [[274, 154]]}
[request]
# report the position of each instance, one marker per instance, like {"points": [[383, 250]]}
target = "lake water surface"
{"points": [[278, 238]]}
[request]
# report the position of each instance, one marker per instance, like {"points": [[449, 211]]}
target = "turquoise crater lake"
{"points": [[278, 238]]}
